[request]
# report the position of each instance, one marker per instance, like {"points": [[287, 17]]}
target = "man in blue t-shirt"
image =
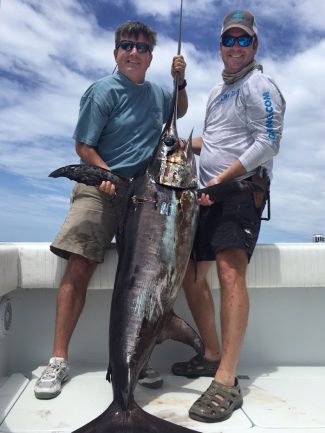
{"points": [[120, 122]]}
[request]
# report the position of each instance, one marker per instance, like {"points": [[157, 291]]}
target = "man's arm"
{"points": [[234, 170], [90, 156], [178, 66], [197, 143], [182, 103]]}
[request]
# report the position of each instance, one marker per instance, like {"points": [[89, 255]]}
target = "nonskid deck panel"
{"points": [[284, 399]]}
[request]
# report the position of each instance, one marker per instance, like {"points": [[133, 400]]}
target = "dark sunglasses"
{"points": [[243, 41], [141, 47]]}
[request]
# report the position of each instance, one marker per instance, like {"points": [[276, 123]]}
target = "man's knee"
{"points": [[80, 267], [232, 259], [196, 274]]}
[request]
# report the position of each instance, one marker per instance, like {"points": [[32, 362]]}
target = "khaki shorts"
{"points": [[93, 220]]}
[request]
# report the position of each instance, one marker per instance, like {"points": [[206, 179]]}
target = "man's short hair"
{"points": [[134, 29]]}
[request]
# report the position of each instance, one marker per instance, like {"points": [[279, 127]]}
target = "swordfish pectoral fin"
{"points": [[175, 328], [91, 175], [134, 420], [225, 190]]}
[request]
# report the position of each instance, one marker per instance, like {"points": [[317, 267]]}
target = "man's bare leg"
{"points": [[70, 301], [200, 301], [231, 266]]}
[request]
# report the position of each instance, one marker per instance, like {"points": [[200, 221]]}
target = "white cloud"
{"points": [[164, 8], [299, 188], [308, 14], [31, 217]]}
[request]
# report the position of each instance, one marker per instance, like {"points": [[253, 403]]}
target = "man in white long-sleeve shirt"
{"points": [[242, 131]]}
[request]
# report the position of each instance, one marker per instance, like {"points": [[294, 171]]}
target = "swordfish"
{"points": [[156, 243], [159, 228]]}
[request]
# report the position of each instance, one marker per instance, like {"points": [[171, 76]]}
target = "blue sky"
{"points": [[50, 51]]}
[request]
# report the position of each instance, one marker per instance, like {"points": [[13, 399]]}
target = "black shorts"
{"points": [[233, 223]]}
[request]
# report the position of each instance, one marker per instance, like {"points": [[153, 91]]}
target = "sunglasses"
{"points": [[141, 47], [243, 41]]}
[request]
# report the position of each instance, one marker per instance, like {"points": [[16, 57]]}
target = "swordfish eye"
{"points": [[169, 141]]}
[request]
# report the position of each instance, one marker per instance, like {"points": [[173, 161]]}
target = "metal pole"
{"points": [[178, 53], [180, 29]]}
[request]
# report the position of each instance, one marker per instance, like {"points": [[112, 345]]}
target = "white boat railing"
{"points": [[287, 296]]}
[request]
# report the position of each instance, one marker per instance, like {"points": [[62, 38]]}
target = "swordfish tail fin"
{"points": [[89, 174], [134, 420]]}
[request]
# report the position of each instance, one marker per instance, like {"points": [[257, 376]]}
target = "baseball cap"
{"points": [[240, 19]]}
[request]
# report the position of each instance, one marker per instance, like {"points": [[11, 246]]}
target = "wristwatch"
{"points": [[182, 86]]}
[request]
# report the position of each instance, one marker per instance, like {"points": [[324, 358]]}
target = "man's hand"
{"points": [[108, 187], [204, 200], [179, 66]]}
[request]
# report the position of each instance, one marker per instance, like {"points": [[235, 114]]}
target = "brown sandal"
{"points": [[196, 367], [217, 403]]}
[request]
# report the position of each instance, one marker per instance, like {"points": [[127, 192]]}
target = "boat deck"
{"points": [[284, 400], [281, 368]]}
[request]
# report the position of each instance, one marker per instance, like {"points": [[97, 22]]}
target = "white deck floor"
{"points": [[284, 400]]}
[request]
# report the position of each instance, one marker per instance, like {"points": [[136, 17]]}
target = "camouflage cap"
{"points": [[240, 19]]}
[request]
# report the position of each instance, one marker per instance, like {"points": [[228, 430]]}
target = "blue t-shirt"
{"points": [[123, 121]]}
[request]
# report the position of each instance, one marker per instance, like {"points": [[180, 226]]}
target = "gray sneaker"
{"points": [[150, 378], [50, 383]]}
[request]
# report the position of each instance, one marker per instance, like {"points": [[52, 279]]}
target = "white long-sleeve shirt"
{"points": [[244, 121]]}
